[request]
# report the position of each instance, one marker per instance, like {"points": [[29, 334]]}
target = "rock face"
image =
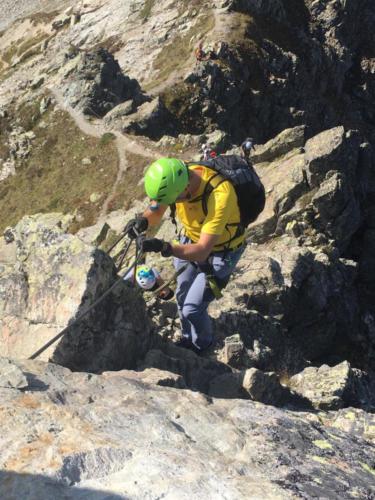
{"points": [[296, 325], [52, 278], [331, 388], [293, 303], [283, 143], [11, 376], [19, 146], [73, 434], [264, 387], [152, 119], [298, 63], [97, 84], [296, 295], [197, 373]]}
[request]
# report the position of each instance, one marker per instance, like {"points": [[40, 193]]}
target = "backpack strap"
{"points": [[239, 231], [208, 188], [172, 209], [204, 199]]}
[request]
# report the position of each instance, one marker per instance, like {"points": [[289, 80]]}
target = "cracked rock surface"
{"points": [[122, 435], [51, 278]]}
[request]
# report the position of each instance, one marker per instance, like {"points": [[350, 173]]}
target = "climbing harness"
{"points": [[212, 282]]}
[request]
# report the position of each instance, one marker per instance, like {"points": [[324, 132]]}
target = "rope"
{"points": [[119, 266], [116, 243], [85, 313], [171, 280], [137, 257]]}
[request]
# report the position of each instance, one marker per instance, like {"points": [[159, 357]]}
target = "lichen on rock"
{"points": [[55, 278]]}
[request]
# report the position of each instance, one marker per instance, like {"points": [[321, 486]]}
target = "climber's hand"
{"points": [[156, 245], [135, 227]]}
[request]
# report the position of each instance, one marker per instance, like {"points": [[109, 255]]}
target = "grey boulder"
{"points": [[55, 277], [331, 388]]}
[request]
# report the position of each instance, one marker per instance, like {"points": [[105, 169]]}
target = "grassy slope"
{"points": [[174, 55], [53, 177], [130, 187]]}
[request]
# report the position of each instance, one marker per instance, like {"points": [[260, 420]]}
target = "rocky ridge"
{"points": [[53, 277], [82, 435], [295, 327], [294, 300]]}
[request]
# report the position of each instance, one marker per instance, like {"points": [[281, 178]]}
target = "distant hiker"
{"points": [[247, 146], [149, 279], [211, 53], [205, 54], [214, 212], [9, 235], [222, 50], [207, 152], [200, 54]]}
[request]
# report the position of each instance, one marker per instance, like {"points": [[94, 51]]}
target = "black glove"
{"points": [[135, 227], [156, 245]]}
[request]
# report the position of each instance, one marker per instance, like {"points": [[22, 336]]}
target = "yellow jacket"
{"points": [[223, 214]]}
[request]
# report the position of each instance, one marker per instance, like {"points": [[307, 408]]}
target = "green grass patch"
{"points": [[6, 73], [191, 5], [53, 177], [43, 17], [10, 52], [4, 131], [173, 57], [130, 187], [244, 36], [24, 48], [29, 54], [27, 44], [27, 115], [147, 9], [107, 138], [178, 100]]}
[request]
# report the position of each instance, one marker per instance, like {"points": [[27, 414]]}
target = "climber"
{"points": [[204, 55], [207, 152], [200, 54], [212, 242], [247, 146]]}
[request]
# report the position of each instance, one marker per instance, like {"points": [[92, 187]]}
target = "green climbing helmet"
{"points": [[166, 179]]}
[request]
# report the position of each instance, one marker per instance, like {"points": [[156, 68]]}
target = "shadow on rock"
{"points": [[217, 379], [14, 485], [249, 339], [34, 383], [196, 371]]}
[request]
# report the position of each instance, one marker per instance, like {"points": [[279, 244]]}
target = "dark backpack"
{"points": [[249, 188]]}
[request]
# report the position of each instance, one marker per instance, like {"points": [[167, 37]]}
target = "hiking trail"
{"points": [[96, 128]]}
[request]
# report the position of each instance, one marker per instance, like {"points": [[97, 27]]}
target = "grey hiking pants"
{"points": [[194, 293]]}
